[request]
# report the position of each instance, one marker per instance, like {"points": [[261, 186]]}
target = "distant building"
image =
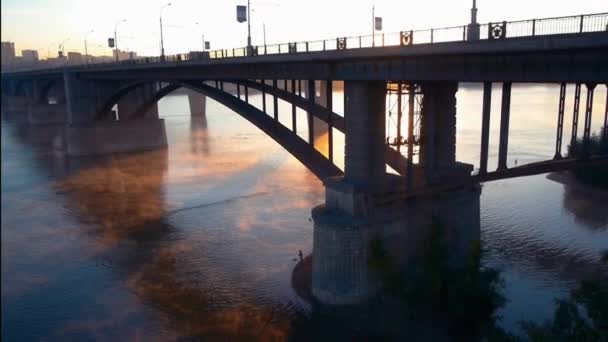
{"points": [[125, 55], [8, 53], [30, 56], [75, 58]]}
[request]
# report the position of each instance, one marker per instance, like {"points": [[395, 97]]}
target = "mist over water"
{"points": [[201, 239]]}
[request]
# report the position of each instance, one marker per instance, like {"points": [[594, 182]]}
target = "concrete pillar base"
{"points": [[340, 256], [342, 247], [46, 114], [198, 103], [110, 137]]}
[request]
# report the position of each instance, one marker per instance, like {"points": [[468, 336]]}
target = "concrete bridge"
{"points": [[362, 201]]}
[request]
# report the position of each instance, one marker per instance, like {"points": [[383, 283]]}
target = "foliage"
{"points": [[581, 317], [598, 145], [466, 297]]}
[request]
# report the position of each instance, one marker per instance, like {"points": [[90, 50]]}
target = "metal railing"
{"points": [[491, 31]]}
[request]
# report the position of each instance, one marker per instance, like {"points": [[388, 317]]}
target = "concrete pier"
{"points": [[114, 137], [198, 104], [342, 242]]}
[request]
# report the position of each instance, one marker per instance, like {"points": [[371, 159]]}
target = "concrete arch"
{"points": [[393, 158], [104, 111], [300, 149]]}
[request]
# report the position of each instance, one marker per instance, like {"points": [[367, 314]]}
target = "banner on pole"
{"points": [[378, 21], [241, 13]]}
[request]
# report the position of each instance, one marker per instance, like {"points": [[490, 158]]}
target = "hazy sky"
{"points": [[43, 24]]}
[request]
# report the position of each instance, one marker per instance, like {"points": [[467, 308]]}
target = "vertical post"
{"points": [[485, 128], [222, 85], [577, 101], [560, 122], [464, 33], [311, 99], [293, 108], [263, 96], [238, 91], [432, 34], [360, 46], [330, 124], [399, 115], [246, 94], [582, 22], [275, 101], [504, 126], [410, 137], [217, 84], [588, 114], [605, 128], [533, 27], [285, 86], [300, 88]]}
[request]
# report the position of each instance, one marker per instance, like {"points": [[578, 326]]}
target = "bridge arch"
{"points": [[393, 158], [316, 162], [104, 111]]}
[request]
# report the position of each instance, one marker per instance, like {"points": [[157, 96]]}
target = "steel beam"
{"points": [[577, 102], [605, 128], [311, 98], [399, 115], [410, 137], [485, 127], [330, 126], [238, 91], [246, 94], [264, 98], [504, 126], [588, 115], [560, 121], [275, 101], [294, 118]]}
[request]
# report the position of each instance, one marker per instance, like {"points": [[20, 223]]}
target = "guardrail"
{"points": [[491, 31]]}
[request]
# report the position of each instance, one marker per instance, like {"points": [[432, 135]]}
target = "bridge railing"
{"points": [[577, 24]]}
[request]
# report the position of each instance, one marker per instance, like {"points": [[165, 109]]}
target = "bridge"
{"points": [[421, 69]]}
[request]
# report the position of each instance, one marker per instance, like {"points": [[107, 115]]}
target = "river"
{"points": [[200, 240]]}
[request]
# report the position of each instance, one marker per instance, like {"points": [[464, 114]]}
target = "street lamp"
{"points": [[62, 47], [203, 36], [86, 50], [116, 38], [162, 45]]}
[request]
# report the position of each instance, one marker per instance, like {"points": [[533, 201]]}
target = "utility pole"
{"points": [[116, 38], [86, 50], [248, 26], [373, 26], [162, 44]]}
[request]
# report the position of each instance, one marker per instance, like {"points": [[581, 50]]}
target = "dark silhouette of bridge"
{"points": [[422, 68]]}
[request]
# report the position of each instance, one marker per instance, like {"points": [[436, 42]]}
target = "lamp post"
{"points": [[202, 35], [62, 48], [116, 37], [86, 50], [162, 43], [248, 25]]}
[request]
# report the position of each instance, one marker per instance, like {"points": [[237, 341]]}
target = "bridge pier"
{"points": [[85, 134], [438, 134], [198, 104], [342, 227], [356, 211]]}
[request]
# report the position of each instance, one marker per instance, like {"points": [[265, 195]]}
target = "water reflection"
{"points": [[199, 138], [587, 204], [199, 240]]}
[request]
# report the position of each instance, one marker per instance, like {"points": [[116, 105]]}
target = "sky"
{"points": [[44, 24]]}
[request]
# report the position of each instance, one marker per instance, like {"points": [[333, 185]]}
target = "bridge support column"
{"points": [[131, 102], [343, 226], [504, 126], [198, 104], [438, 134], [84, 135]]}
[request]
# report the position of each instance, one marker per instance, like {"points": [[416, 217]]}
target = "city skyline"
{"points": [[69, 21]]}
